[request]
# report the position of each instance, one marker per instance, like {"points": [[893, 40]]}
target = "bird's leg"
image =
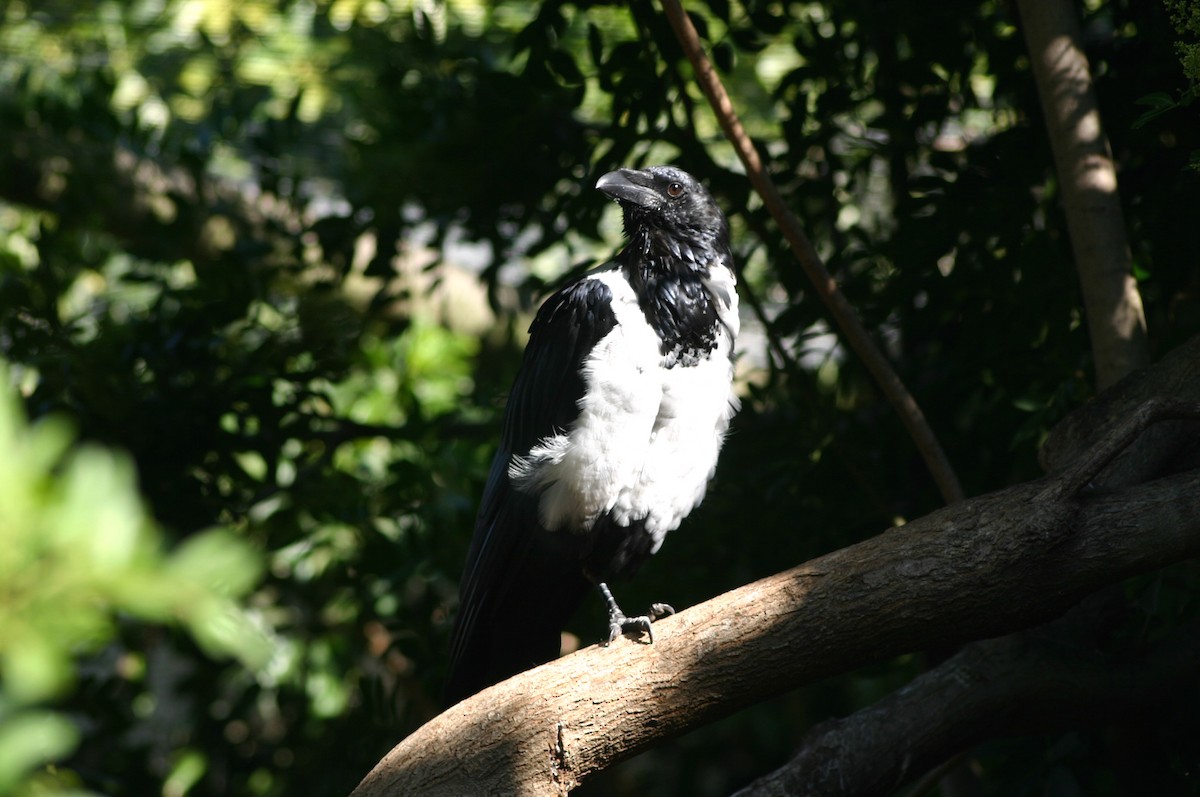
{"points": [[619, 624]]}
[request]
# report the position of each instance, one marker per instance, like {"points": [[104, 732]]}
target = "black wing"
{"points": [[521, 584]]}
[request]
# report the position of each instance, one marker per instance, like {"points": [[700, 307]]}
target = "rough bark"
{"points": [[1088, 182], [978, 569], [1176, 376], [990, 684], [1000, 686], [1018, 684]]}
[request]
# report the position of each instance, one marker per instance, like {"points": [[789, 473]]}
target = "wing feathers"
{"points": [[521, 586]]}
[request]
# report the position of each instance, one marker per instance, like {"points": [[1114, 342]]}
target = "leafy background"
{"points": [[265, 270]]}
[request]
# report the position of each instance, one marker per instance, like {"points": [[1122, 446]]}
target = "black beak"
{"points": [[630, 185]]}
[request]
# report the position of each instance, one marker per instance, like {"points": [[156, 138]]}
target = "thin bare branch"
{"points": [[826, 287]]}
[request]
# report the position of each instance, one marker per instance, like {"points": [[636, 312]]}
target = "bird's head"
{"points": [[665, 205]]}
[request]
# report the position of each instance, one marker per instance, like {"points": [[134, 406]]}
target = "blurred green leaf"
{"points": [[1157, 104], [186, 772], [29, 739], [80, 552]]}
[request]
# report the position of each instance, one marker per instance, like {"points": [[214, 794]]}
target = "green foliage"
{"points": [[276, 252], [1186, 19], [81, 556]]}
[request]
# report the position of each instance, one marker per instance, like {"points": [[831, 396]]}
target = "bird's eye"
{"points": [[675, 189]]}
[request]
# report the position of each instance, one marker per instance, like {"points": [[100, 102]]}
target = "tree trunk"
{"points": [[1088, 181]]}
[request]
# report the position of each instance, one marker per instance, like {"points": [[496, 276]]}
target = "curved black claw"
{"points": [[660, 610], [619, 623]]}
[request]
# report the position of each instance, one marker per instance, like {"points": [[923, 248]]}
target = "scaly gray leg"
{"points": [[619, 623]]}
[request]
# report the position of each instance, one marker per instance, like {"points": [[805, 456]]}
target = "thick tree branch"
{"points": [[942, 712], [1018, 684], [977, 569], [1121, 439], [1176, 376], [973, 570], [826, 287], [1088, 180]]}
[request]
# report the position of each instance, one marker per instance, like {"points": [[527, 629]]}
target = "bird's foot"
{"points": [[619, 623]]}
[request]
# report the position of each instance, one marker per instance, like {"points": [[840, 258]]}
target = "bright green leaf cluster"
{"points": [[80, 552], [1186, 17]]}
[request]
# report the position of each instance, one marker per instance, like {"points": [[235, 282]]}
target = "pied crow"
{"points": [[611, 431]]}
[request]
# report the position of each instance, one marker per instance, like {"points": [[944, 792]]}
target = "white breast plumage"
{"points": [[647, 438]]}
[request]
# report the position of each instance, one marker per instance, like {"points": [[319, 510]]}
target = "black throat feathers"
{"points": [[669, 277]]}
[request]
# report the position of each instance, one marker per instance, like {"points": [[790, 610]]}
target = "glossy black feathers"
{"points": [[511, 567], [623, 393]]}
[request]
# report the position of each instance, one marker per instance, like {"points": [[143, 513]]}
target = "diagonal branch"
{"points": [[980, 568], [1018, 684], [826, 287], [977, 569], [1123, 438]]}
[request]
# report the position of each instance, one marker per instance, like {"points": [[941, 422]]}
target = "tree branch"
{"points": [[824, 284], [1083, 161], [973, 570], [1019, 684], [1177, 375], [976, 569], [1119, 440], [943, 711]]}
